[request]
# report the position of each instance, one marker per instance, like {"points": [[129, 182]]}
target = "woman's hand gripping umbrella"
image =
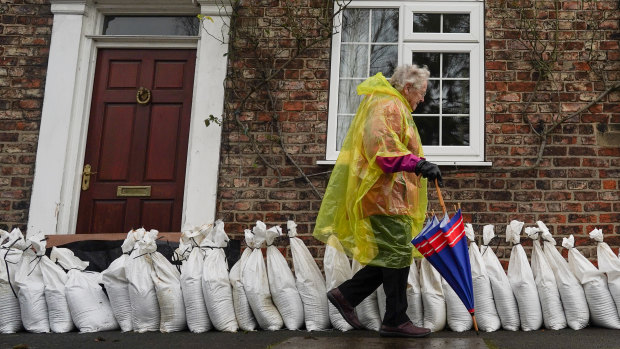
{"points": [[444, 245]]}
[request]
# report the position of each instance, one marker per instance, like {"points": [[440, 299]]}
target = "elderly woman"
{"points": [[376, 197]]}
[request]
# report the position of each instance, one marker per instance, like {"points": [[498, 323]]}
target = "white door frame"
{"points": [[66, 106]]}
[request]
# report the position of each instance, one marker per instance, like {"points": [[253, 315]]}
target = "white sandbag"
{"points": [[282, 284], [90, 308], [432, 297], [368, 310], [486, 314], [117, 286], [29, 282], [381, 301], [415, 309], [458, 318], [310, 283], [166, 281], [505, 301], [337, 271], [603, 312], [10, 257], [571, 292], [522, 281], [243, 311], [551, 304], [144, 305], [256, 285], [198, 320], [55, 278], [215, 283], [608, 263]]}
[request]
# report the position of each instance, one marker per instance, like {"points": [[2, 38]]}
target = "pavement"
{"points": [[591, 337]]}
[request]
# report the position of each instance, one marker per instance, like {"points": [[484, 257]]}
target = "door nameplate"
{"points": [[133, 190]]}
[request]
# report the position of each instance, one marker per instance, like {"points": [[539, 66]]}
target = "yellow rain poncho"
{"points": [[374, 215]]}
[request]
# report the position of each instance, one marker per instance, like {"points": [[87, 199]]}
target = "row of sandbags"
{"points": [[48, 294]]}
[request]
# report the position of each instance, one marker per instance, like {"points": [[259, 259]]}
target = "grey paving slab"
{"points": [[309, 342]]}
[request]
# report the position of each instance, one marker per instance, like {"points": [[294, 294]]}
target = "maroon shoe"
{"points": [[346, 310], [407, 330]]}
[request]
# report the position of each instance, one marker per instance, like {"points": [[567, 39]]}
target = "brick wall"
{"points": [[25, 29], [575, 189]]}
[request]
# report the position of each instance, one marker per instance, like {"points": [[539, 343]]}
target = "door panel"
{"points": [[131, 144]]}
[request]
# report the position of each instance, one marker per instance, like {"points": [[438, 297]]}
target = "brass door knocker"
{"points": [[143, 96]]}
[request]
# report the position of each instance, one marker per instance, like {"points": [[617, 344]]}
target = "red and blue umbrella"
{"points": [[444, 245]]}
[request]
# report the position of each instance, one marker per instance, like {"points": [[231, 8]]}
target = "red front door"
{"points": [[137, 151]]}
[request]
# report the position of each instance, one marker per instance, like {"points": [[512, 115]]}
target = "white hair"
{"points": [[409, 74]]}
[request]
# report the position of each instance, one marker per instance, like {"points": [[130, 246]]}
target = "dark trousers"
{"points": [[394, 281]]}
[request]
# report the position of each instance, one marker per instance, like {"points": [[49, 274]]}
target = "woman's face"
{"points": [[414, 96]]}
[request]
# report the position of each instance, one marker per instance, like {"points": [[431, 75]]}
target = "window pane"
{"points": [[428, 128], [429, 59], [354, 61], [431, 99], [348, 100], [456, 65], [455, 131], [344, 121], [385, 25], [384, 58], [456, 23], [355, 25], [426, 22], [455, 97], [143, 25]]}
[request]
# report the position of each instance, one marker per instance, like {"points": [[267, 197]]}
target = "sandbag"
{"points": [[551, 304], [415, 310], [458, 318], [571, 292], [55, 278], [198, 320], [337, 271], [603, 312], [608, 263], [215, 283], [13, 244], [29, 282], [243, 311], [144, 305], [90, 308], [381, 300], [117, 286], [256, 285], [368, 310], [282, 284], [522, 281], [310, 283], [486, 314], [432, 297], [505, 301]]}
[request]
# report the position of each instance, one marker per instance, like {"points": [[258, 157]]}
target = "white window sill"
{"points": [[440, 163]]}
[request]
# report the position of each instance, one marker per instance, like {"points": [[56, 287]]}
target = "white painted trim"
{"points": [[66, 108]]}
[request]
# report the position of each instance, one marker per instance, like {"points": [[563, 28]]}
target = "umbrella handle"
{"points": [[443, 205]]}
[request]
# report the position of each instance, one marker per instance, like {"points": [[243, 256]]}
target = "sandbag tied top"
{"points": [[310, 283], [571, 292], [337, 271], [90, 308], [522, 281], [55, 278], [216, 286], [486, 313], [609, 264], [603, 310], [505, 301], [29, 282], [553, 313], [192, 258], [243, 311], [13, 244], [282, 284]]}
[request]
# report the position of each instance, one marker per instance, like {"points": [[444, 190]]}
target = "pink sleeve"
{"points": [[405, 163]]}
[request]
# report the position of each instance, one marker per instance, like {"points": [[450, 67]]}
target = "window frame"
{"points": [[408, 42]]}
